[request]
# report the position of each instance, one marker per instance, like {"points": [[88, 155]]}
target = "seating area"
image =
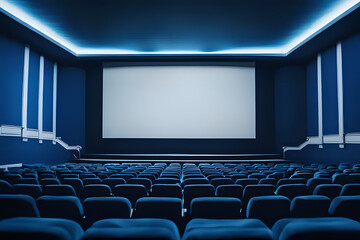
{"points": [[189, 201]]}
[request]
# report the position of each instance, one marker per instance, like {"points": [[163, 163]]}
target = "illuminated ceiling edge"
{"points": [[96, 52]]}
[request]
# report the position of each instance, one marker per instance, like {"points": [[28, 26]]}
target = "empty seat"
{"points": [[6, 188], [17, 205], [310, 206], [49, 181], [140, 229], [68, 207], [215, 207], [97, 208], [77, 184], [316, 228], [272, 181], [143, 181], [312, 183], [291, 181], [346, 206], [268, 209], [192, 181], [87, 181], [112, 182], [350, 189], [159, 207], [12, 178], [125, 176], [27, 181], [329, 190], [166, 190], [341, 178], [302, 175], [29, 228], [258, 176], [232, 190], [219, 229], [197, 190], [59, 190], [221, 181], [130, 191], [247, 181], [167, 180], [292, 190], [251, 191], [32, 190], [97, 190]]}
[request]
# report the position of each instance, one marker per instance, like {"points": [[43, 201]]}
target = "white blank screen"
{"points": [[179, 102]]}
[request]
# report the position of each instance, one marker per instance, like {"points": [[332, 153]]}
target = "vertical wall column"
{"points": [[340, 94], [54, 101], [320, 110], [25, 93], [41, 98]]}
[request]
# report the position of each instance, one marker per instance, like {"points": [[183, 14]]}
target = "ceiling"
{"points": [[174, 27]]}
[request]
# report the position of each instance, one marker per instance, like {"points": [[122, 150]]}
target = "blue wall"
{"points": [[290, 106], [70, 113], [351, 86]]}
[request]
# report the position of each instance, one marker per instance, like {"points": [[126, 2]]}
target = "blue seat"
{"points": [[219, 229], [27, 181], [231, 190], [197, 190], [32, 190], [68, 207], [312, 183], [17, 205], [166, 190], [30, 228], [341, 178], [221, 181], [49, 181], [6, 188], [268, 209], [193, 181], [97, 190], [316, 228], [247, 181], [291, 181], [251, 191], [130, 191], [143, 181], [350, 189], [98, 208], [329, 190], [77, 184], [346, 206], [215, 208], [292, 190], [88, 181], [310, 206], [59, 190], [167, 180], [159, 207], [133, 229], [112, 182], [272, 181]]}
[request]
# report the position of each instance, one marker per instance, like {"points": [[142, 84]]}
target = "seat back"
{"points": [[268, 209], [59, 190], [215, 208], [292, 190], [97, 190], [350, 189], [17, 205], [97, 208], [329, 190], [6, 188], [166, 190], [32, 190], [310, 206], [130, 191], [197, 190], [68, 207], [346, 206], [232, 190]]}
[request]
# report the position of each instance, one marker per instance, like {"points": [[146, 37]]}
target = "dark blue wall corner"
{"points": [[290, 106], [71, 106], [14, 150], [331, 153]]}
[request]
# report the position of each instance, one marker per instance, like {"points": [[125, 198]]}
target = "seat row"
{"points": [[268, 209], [29, 228]]}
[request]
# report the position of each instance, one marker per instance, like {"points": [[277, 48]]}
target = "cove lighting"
{"points": [[336, 13]]}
